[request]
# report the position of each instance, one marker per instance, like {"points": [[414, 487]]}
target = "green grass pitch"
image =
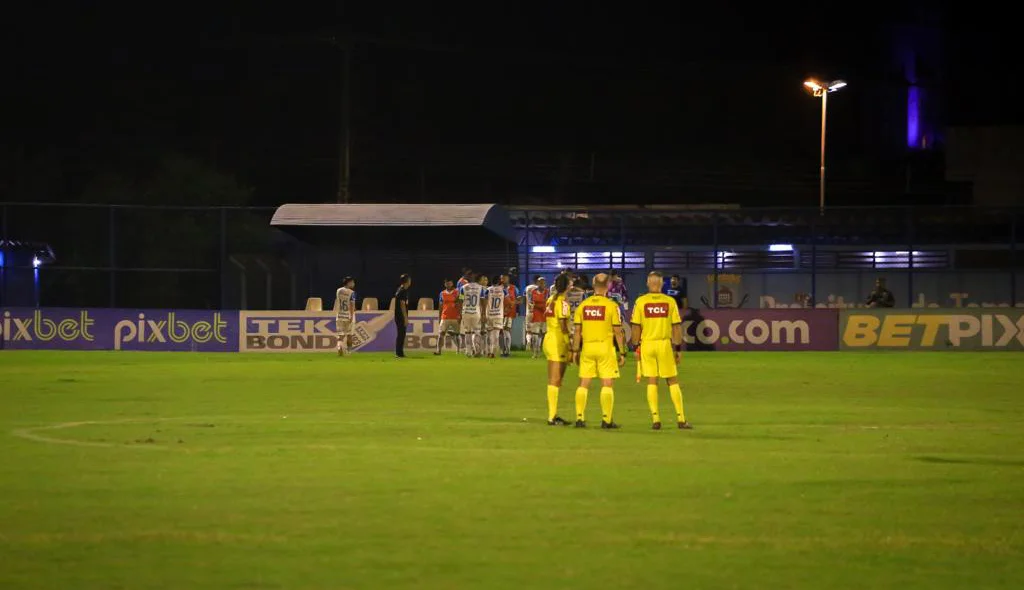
{"points": [[806, 470]]}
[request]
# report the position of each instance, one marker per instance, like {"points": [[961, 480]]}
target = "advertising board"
{"points": [[932, 329]]}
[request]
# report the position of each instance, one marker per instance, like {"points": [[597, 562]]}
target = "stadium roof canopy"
{"points": [[369, 216]]}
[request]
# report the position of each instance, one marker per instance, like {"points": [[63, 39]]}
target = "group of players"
{"points": [[477, 314], [576, 321]]}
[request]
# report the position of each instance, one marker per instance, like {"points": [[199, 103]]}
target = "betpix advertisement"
{"points": [[932, 329]]}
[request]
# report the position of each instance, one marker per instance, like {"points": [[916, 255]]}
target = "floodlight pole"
{"points": [[821, 90], [821, 179]]}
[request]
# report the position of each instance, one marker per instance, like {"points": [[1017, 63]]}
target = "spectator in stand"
{"points": [[881, 296]]}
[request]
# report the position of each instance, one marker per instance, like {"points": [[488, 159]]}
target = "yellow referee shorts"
{"points": [[599, 360], [657, 359], [556, 347]]}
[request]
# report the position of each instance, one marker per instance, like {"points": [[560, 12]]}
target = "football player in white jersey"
{"points": [[345, 314], [472, 295], [495, 316]]}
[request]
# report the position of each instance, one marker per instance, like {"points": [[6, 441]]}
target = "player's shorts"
{"points": [[537, 327], [346, 327], [506, 324], [494, 324], [657, 359], [470, 324], [449, 326], [598, 359], [556, 347]]}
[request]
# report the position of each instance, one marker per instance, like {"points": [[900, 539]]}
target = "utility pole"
{"points": [[345, 153]]}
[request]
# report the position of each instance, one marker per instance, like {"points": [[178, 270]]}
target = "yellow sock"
{"points": [[652, 402], [607, 403], [581, 402], [552, 402], [677, 400]]}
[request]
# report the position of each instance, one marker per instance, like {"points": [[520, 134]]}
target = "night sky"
{"points": [[513, 102]]}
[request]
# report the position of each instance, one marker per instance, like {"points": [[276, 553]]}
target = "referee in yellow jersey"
{"points": [[598, 330], [556, 345], [658, 329]]}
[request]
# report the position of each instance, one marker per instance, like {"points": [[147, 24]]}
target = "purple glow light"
{"points": [[914, 117]]}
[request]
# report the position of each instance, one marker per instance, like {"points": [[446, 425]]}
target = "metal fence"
{"points": [[940, 255], [230, 257], [130, 256]]}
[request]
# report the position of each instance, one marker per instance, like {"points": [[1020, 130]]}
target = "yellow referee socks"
{"points": [[652, 402], [677, 400], [581, 402], [607, 403], [552, 402]]}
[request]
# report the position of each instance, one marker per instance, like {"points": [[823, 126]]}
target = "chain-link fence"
{"points": [[126, 256], [78, 255], [774, 257]]}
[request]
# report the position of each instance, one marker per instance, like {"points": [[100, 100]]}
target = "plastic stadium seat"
{"points": [[314, 304], [425, 304], [370, 304]]}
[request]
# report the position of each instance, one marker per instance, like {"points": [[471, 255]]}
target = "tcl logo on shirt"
{"points": [[656, 310], [593, 312]]}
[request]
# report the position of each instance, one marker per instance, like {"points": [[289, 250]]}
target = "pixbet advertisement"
{"points": [[763, 329], [313, 331], [933, 329], [118, 329]]}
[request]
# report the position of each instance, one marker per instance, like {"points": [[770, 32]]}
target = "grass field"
{"points": [[190, 471]]}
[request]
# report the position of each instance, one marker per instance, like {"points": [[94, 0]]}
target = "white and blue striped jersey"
{"points": [[496, 302], [472, 297]]}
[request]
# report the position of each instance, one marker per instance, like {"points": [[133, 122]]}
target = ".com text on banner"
{"points": [[933, 329], [118, 329], [763, 329]]}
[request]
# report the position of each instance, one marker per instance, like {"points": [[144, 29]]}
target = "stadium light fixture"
{"points": [[543, 249], [780, 248], [821, 90]]}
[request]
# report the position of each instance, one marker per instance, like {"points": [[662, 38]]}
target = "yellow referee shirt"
{"points": [[655, 313], [598, 317], [557, 309]]}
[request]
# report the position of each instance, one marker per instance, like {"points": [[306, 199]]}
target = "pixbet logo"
{"points": [[904, 330], [755, 332], [591, 312], [42, 329], [656, 310], [168, 328]]}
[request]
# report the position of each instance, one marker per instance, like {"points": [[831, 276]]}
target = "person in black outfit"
{"points": [[676, 289], [881, 296], [402, 313]]}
